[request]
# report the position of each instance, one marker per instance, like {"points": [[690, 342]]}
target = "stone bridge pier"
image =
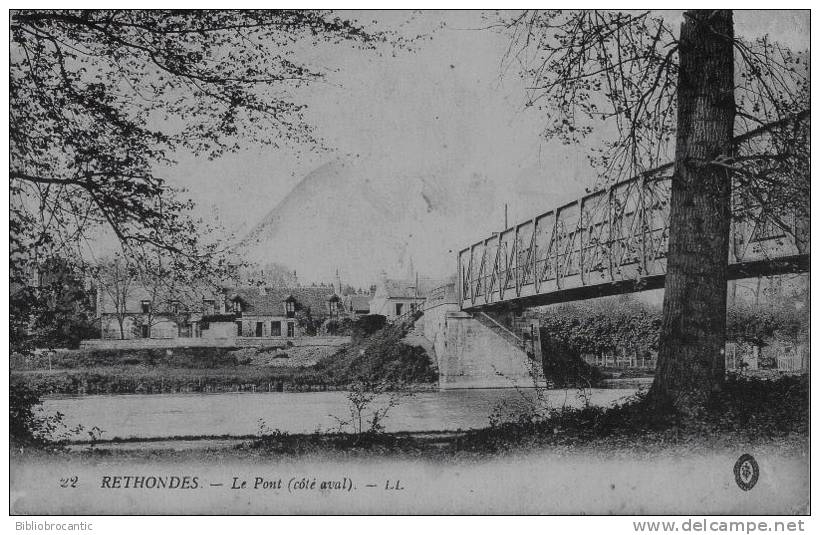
{"points": [[481, 350]]}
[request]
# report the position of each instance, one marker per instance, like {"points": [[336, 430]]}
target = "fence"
{"points": [[622, 360], [773, 355], [784, 357], [792, 358]]}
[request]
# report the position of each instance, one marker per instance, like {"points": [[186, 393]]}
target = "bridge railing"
{"points": [[440, 295], [617, 234]]}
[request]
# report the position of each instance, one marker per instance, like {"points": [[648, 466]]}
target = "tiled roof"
{"points": [[271, 303]]}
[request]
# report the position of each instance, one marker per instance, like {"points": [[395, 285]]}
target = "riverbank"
{"points": [[377, 355], [430, 445], [139, 379], [749, 411], [178, 370]]}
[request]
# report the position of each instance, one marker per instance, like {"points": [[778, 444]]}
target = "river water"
{"points": [[163, 415]]}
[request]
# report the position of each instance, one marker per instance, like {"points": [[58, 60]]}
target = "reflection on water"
{"points": [[240, 414]]}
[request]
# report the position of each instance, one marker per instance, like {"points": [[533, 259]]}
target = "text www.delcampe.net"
{"points": [[719, 526]]}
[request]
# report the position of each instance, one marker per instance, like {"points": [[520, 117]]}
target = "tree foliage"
{"points": [[616, 74], [269, 275], [613, 325], [604, 327], [100, 99], [116, 279], [758, 325], [56, 310], [588, 70]]}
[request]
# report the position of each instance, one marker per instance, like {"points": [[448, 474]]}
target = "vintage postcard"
{"points": [[436, 262]]}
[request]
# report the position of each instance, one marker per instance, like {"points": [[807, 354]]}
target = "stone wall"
{"points": [[470, 355], [434, 322], [145, 343], [476, 357]]}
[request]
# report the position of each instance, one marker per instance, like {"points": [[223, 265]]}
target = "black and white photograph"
{"points": [[410, 262]]}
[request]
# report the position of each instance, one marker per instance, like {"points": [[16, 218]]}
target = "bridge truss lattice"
{"points": [[615, 241]]}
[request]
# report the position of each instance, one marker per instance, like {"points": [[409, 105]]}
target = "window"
{"points": [[236, 305], [238, 328], [275, 328], [290, 309], [208, 305], [35, 277], [144, 331], [146, 307], [259, 329], [174, 307], [291, 329], [399, 307]]}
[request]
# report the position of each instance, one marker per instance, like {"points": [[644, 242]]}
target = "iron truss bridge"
{"points": [[614, 241]]}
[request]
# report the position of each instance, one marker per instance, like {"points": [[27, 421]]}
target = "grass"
{"points": [[750, 412], [134, 379], [748, 409], [187, 357], [377, 356]]}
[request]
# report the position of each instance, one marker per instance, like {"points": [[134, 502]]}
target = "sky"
{"points": [[444, 123]]}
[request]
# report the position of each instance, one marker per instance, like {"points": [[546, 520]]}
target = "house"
{"points": [[251, 312], [395, 297], [272, 312], [139, 313], [356, 305]]}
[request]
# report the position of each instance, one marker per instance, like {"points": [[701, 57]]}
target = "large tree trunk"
{"points": [[690, 357]]}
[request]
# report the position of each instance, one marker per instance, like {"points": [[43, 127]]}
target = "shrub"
{"points": [[563, 366], [342, 327], [747, 409], [757, 323], [189, 357], [379, 357], [28, 426], [368, 325], [604, 326]]}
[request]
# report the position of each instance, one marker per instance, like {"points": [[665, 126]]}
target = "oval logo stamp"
{"points": [[746, 472]]}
